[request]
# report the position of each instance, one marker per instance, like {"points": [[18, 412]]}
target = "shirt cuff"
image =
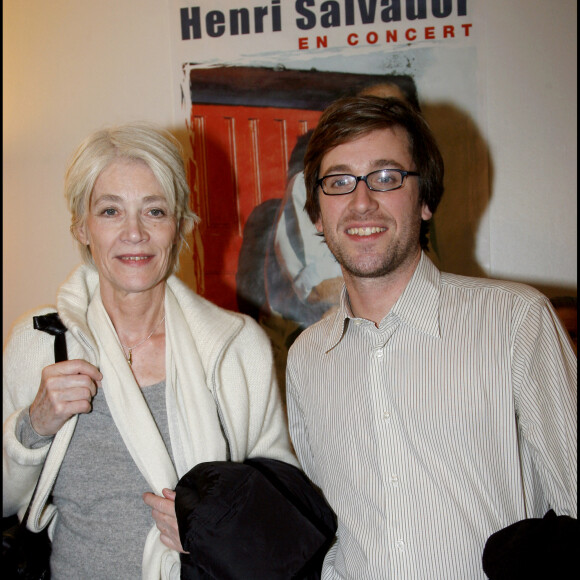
{"points": [[26, 434]]}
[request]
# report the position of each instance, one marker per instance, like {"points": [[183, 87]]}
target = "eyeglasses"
{"points": [[381, 180]]}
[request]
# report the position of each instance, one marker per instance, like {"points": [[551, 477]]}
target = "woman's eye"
{"points": [[109, 211], [157, 212]]}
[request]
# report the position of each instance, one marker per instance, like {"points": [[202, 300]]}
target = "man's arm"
{"points": [[297, 425], [545, 391]]}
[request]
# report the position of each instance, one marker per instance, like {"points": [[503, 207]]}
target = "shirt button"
{"points": [[394, 480], [400, 545], [386, 415], [379, 353]]}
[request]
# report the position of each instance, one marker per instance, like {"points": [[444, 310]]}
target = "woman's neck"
{"points": [[135, 315]]}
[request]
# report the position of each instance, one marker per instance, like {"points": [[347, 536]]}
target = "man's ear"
{"points": [[426, 213], [318, 225]]}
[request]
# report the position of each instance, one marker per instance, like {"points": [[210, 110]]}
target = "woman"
{"points": [[157, 381]]}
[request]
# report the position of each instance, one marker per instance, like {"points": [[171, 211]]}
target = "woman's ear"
{"points": [[178, 231], [79, 231]]}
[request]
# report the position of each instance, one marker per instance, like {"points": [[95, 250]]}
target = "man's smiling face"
{"points": [[372, 233]]}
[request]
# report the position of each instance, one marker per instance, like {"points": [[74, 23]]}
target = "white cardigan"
{"points": [[214, 358]]}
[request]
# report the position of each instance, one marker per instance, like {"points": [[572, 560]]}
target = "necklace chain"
{"points": [[129, 357]]}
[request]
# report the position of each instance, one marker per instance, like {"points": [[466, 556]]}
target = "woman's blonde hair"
{"points": [[139, 141]]}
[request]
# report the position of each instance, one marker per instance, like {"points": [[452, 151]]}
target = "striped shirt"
{"points": [[453, 419]]}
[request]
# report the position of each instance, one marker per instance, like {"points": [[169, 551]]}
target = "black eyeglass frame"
{"points": [[364, 178]]}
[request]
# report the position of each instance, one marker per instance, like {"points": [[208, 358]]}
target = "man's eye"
{"points": [[385, 177], [342, 181]]}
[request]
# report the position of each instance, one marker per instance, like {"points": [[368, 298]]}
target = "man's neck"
{"points": [[373, 298]]}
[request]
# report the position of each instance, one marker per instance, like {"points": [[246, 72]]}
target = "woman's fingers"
{"points": [[66, 389], [163, 512]]}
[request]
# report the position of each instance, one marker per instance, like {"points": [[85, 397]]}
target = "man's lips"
{"points": [[365, 231]]}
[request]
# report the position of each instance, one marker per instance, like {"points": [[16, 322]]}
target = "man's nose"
{"points": [[363, 198]]}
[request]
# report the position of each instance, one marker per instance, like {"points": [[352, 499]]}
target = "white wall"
{"points": [[71, 66], [532, 114]]}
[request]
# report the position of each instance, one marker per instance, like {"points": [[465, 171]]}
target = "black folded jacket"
{"points": [[261, 519], [545, 548]]}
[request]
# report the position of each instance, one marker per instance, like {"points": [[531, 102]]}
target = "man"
{"points": [[302, 278], [431, 409], [299, 258]]}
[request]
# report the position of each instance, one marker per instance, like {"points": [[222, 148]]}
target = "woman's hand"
{"points": [[66, 388], [163, 512]]}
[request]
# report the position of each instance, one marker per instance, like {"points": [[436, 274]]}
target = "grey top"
{"points": [[102, 519]]}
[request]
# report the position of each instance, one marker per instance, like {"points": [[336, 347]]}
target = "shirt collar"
{"points": [[418, 305], [339, 321]]}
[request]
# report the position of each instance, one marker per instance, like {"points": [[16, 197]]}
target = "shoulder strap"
{"points": [[52, 324]]}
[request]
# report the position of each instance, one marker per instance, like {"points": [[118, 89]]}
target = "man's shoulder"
{"points": [[314, 338], [516, 290]]}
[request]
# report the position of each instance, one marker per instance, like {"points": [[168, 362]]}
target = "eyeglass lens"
{"points": [[381, 180]]}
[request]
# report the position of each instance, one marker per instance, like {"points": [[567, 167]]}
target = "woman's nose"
{"points": [[134, 230]]}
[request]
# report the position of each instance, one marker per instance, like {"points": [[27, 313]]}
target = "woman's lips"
{"points": [[134, 258]]}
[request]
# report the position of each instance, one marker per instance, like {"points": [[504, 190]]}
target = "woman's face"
{"points": [[130, 229]]}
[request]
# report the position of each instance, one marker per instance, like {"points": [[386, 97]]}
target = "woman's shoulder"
{"points": [[26, 352], [203, 310], [23, 326], [210, 320]]}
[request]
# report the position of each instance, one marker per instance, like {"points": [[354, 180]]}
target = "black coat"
{"points": [[261, 519], [534, 548]]}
